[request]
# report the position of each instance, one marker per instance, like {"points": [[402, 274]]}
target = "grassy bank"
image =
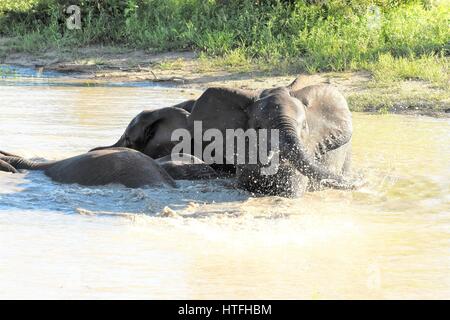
{"points": [[285, 35]]}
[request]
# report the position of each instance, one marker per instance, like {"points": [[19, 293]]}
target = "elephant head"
{"points": [[311, 121], [150, 131]]}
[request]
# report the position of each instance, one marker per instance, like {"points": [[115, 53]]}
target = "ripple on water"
{"points": [[37, 191]]}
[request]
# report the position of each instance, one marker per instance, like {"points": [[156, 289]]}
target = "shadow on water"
{"points": [[33, 77]]}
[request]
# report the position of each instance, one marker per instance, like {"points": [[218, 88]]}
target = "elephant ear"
{"points": [[222, 108], [328, 117]]}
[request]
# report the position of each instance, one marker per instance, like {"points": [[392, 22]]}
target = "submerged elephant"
{"points": [[313, 121], [124, 166], [150, 131]]}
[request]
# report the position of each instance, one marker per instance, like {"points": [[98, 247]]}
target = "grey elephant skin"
{"points": [[150, 131], [315, 130], [314, 123], [124, 166]]}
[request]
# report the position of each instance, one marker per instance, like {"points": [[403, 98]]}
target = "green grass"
{"points": [[396, 40], [171, 64], [388, 69], [17, 5], [232, 61], [400, 97]]}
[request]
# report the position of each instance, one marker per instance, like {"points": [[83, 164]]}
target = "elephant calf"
{"points": [[120, 165], [124, 166]]}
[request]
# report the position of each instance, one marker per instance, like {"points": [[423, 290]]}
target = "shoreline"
{"points": [[98, 64]]}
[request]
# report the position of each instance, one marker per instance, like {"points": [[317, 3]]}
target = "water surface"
{"points": [[390, 239]]}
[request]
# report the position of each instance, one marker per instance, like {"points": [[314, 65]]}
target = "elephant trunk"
{"points": [[20, 163], [294, 151]]}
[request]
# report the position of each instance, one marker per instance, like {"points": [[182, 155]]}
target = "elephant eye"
{"points": [[150, 132]]}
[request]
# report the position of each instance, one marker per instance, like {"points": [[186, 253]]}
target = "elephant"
{"points": [[117, 165], [314, 126], [124, 166], [150, 131], [313, 121]]}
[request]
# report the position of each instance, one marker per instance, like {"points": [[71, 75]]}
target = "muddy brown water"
{"points": [[390, 239]]}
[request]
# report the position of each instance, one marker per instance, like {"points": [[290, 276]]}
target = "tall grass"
{"points": [[305, 35]]}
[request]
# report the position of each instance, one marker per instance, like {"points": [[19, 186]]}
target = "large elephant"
{"points": [[124, 166], [314, 126], [313, 121]]}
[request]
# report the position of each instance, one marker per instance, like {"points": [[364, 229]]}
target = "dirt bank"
{"points": [[187, 70]]}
